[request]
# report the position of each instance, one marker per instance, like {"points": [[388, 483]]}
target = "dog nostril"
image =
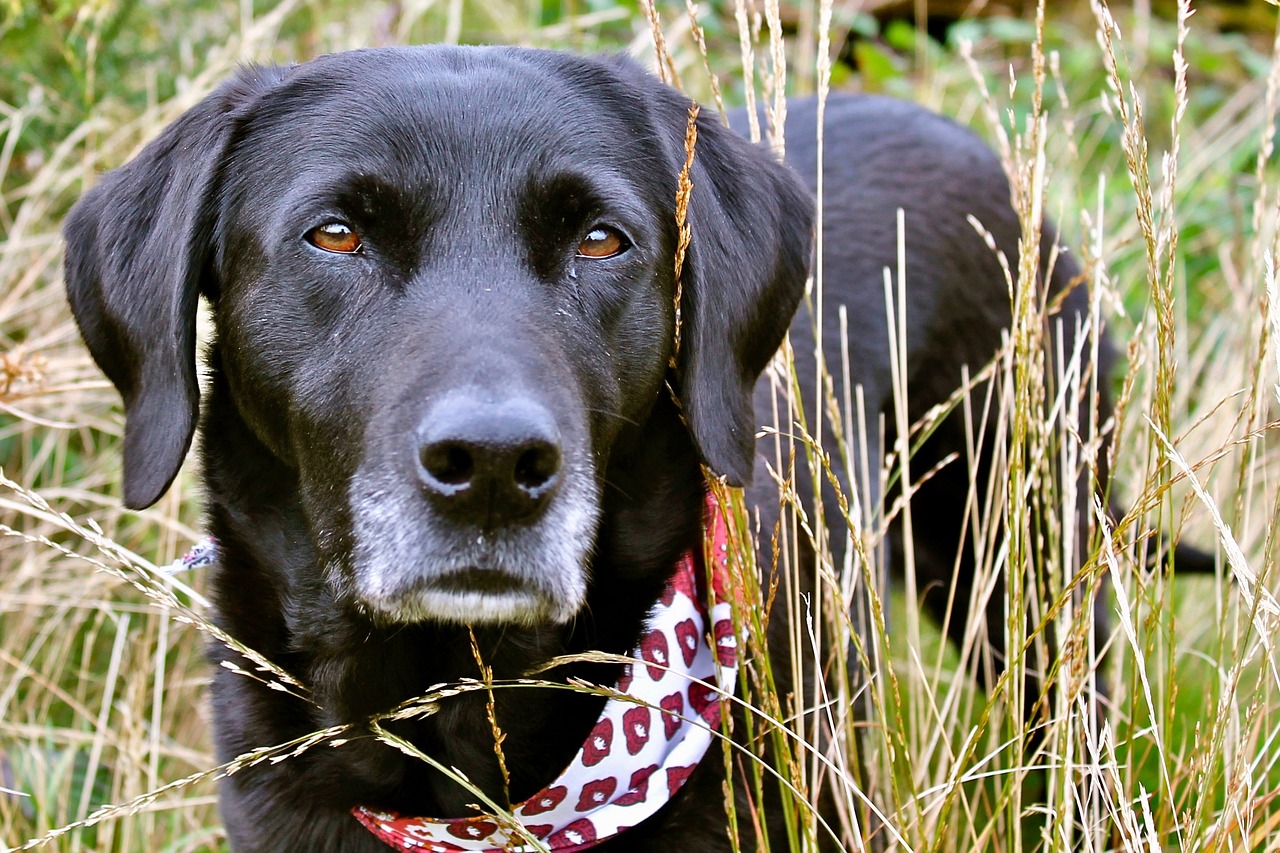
{"points": [[537, 466], [449, 463], [488, 464]]}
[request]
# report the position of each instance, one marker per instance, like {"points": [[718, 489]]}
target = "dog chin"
{"points": [[516, 607]]}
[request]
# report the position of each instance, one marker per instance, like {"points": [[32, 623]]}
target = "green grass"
{"points": [[102, 683]]}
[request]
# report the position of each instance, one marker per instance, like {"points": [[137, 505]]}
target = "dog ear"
{"points": [[138, 246], [744, 274]]}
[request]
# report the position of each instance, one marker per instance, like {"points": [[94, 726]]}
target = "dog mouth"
{"points": [[479, 580], [412, 564], [469, 595]]}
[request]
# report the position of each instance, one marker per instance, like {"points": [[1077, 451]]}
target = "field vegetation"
{"points": [[1148, 136]]}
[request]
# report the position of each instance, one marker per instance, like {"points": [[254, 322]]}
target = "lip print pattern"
{"points": [[687, 640], [598, 743], [726, 643], [677, 776], [673, 709], [635, 728], [624, 680], [545, 800], [423, 833], [597, 793], [705, 703], [424, 836], [581, 831], [638, 790], [472, 828], [654, 649]]}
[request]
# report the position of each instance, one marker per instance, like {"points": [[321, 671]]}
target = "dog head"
{"points": [[443, 284]]}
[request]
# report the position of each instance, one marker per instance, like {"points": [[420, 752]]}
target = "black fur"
{"points": [[471, 175]]}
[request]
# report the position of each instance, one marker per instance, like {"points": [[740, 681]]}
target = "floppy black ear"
{"points": [[744, 274], [137, 247]]}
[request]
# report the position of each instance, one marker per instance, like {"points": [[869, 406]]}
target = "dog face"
{"points": [[448, 324], [443, 287]]}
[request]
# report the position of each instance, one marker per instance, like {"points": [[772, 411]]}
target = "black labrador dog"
{"points": [[444, 395]]}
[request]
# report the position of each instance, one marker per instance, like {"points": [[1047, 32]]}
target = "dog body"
{"points": [[882, 156], [446, 308]]}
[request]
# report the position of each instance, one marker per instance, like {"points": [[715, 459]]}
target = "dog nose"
{"points": [[488, 463]]}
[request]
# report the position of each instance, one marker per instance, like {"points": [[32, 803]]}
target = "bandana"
{"points": [[640, 751]]}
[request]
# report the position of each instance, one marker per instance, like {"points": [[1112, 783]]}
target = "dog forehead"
{"points": [[439, 110]]}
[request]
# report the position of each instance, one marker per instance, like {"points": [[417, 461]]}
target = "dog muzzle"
{"points": [[653, 731]]}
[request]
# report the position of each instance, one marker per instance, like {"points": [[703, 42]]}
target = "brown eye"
{"points": [[335, 237], [602, 242]]}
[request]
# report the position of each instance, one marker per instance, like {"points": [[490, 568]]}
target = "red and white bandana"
{"points": [[639, 753]]}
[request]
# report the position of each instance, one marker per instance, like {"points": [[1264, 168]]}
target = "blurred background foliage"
{"points": [[66, 62], [63, 59]]}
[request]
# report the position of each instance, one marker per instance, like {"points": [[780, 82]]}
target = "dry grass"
{"points": [[102, 676]]}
